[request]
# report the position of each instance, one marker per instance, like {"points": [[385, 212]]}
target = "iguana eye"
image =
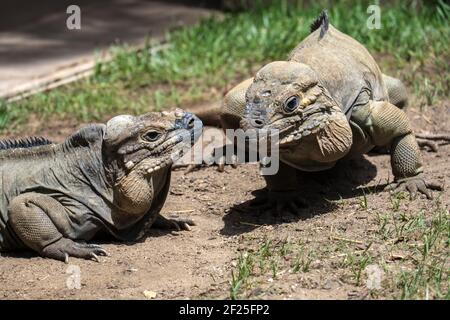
{"points": [[152, 135], [291, 104]]}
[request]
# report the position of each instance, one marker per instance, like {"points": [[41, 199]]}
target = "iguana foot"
{"points": [[65, 248], [221, 163], [414, 185], [428, 140], [177, 224], [279, 202]]}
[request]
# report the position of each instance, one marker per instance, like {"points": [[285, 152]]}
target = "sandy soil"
{"points": [[198, 264]]}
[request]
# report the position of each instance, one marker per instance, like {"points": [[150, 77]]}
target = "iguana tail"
{"points": [[320, 22]]}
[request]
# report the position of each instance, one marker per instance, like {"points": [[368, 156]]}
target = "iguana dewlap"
{"points": [[111, 178], [329, 101]]}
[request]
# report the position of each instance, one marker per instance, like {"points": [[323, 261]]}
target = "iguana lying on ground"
{"points": [[104, 179], [329, 101]]}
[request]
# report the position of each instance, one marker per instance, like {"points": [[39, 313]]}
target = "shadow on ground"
{"points": [[320, 190]]}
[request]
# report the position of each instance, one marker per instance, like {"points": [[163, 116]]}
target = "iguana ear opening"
{"points": [[118, 128]]}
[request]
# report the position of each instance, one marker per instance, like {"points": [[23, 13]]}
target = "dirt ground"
{"points": [[307, 255]]}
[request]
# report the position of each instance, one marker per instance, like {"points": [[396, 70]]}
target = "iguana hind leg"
{"points": [[41, 223], [398, 96], [397, 93]]}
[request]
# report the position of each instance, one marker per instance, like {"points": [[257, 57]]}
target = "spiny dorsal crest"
{"points": [[320, 22], [28, 142]]}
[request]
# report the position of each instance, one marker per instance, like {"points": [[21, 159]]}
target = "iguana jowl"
{"points": [[111, 178], [329, 101]]}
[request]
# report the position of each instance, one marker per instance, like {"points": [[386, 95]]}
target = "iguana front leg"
{"points": [[387, 125], [42, 224]]}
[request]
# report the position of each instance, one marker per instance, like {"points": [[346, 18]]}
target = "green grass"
{"points": [[427, 275], [240, 277], [423, 238], [270, 259], [410, 245], [202, 61]]}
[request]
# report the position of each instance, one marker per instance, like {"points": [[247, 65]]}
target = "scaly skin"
{"points": [[330, 101], [111, 178]]}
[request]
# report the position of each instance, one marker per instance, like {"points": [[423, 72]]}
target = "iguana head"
{"points": [[288, 96], [145, 144]]}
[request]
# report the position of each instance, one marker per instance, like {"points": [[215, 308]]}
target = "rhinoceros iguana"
{"points": [[329, 101], [104, 179]]}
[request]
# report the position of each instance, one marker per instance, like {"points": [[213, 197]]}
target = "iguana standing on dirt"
{"points": [[104, 179], [329, 101]]}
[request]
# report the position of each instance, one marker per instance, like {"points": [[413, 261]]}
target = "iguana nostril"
{"points": [[257, 123], [257, 99], [190, 123]]}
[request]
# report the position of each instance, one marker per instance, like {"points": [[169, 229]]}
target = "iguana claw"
{"points": [[174, 223], [279, 202], [95, 257], [414, 185], [221, 163], [65, 248]]}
